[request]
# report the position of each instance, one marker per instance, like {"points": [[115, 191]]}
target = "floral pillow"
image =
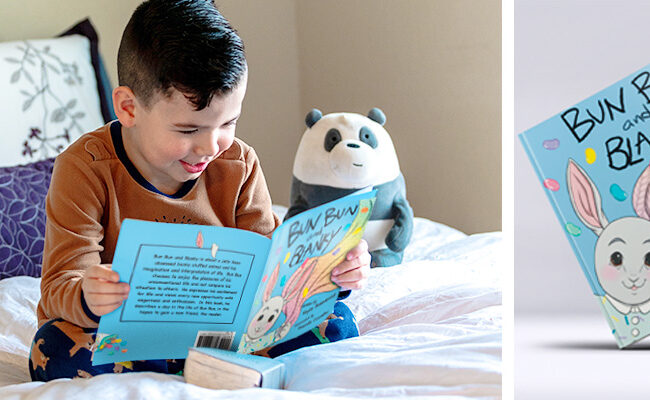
{"points": [[53, 91], [22, 217]]}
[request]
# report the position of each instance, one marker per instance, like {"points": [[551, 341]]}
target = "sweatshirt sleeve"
{"points": [[73, 236], [254, 207]]}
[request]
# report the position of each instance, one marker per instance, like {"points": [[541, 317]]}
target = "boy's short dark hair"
{"points": [[183, 44]]}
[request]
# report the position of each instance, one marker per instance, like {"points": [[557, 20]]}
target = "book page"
{"points": [[296, 293], [190, 285]]}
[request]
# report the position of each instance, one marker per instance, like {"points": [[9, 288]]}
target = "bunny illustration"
{"points": [[307, 281], [265, 317], [622, 252]]}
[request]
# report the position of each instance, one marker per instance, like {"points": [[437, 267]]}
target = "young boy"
{"points": [[172, 156]]}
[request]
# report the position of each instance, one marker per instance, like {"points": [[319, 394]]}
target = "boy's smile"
{"points": [[194, 168], [171, 143]]}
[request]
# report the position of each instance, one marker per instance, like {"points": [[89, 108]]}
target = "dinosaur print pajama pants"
{"points": [[61, 349]]}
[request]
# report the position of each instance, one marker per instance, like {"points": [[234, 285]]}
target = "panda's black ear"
{"points": [[377, 115], [313, 117]]}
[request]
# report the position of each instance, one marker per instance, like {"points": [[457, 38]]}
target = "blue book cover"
{"points": [[208, 286], [592, 160]]}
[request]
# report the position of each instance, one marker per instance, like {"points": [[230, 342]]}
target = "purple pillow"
{"points": [[22, 217]]}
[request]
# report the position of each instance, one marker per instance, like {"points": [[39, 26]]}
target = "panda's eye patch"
{"points": [[367, 137], [332, 138]]}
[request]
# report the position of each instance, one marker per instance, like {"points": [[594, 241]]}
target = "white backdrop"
{"points": [[564, 52]]}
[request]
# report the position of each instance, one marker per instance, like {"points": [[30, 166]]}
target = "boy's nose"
{"points": [[208, 145]]}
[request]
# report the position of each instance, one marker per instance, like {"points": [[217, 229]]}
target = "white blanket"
{"points": [[429, 327]]}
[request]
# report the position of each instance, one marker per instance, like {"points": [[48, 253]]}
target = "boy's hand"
{"points": [[103, 290], [353, 272]]}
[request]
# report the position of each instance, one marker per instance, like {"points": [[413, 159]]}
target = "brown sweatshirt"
{"points": [[94, 188]]}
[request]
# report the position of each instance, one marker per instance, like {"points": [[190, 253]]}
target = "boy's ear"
{"points": [[124, 105]]}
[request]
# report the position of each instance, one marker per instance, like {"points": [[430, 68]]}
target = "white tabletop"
{"points": [[576, 357]]}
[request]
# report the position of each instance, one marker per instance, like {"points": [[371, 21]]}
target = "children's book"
{"points": [[592, 160], [223, 369], [207, 286]]}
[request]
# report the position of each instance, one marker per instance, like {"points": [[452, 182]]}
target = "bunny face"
{"points": [[622, 254], [622, 258], [265, 318]]}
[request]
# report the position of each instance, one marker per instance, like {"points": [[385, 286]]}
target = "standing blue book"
{"points": [[208, 286], [592, 160]]}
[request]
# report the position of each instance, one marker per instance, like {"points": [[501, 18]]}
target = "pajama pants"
{"points": [[61, 349]]}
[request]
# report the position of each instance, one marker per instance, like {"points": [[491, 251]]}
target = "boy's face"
{"points": [[171, 142]]}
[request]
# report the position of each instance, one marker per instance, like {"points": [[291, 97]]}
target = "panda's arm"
{"points": [[399, 235], [298, 202], [297, 206]]}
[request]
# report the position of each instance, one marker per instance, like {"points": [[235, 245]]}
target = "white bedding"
{"points": [[430, 327]]}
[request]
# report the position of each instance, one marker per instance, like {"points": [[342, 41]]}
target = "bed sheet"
{"points": [[429, 327]]}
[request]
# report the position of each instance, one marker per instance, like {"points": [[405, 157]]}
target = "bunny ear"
{"points": [[641, 195], [585, 198], [271, 283]]}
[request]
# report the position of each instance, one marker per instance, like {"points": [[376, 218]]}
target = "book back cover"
{"points": [[191, 285]]}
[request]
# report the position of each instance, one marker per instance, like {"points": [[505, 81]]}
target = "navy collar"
{"points": [[118, 143]]}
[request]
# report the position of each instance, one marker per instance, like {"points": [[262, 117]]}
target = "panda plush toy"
{"points": [[341, 153]]}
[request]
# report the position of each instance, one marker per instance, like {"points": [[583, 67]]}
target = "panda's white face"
{"points": [[352, 161], [346, 150]]}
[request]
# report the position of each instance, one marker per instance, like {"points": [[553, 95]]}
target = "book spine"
{"points": [[610, 322]]}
